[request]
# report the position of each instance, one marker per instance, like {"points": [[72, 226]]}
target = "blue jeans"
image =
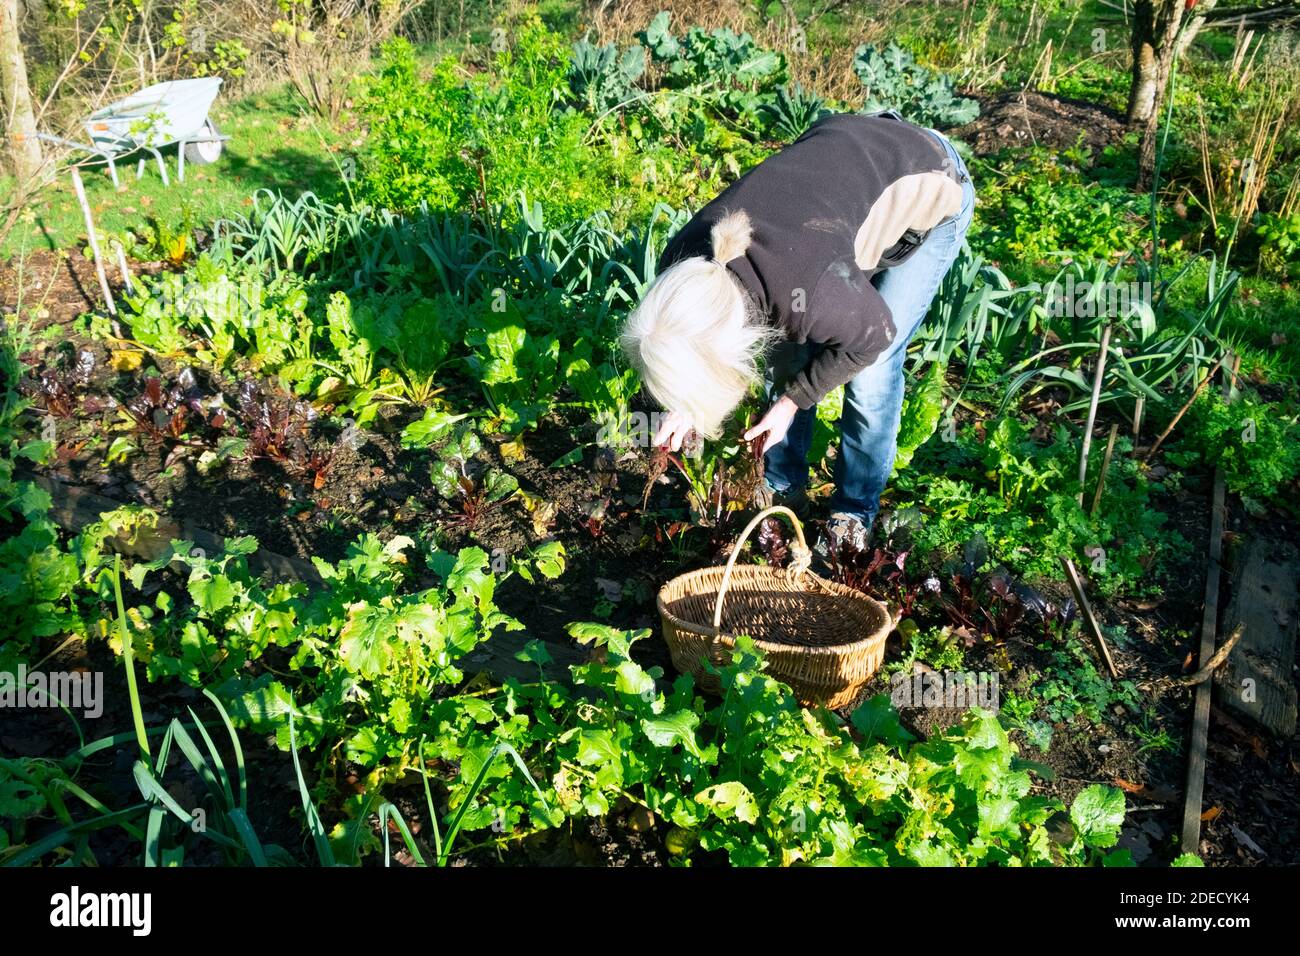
{"points": [[873, 399]]}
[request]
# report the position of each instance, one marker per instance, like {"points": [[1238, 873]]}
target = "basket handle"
{"points": [[802, 557]]}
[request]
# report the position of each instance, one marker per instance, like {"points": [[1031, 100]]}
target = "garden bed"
{"points": [[1030, 118], [375, 484]]}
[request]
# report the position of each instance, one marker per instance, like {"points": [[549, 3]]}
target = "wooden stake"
{"points": [[127, 283], [1105, 467], [80, 190], [1195, 788], [1194, 791], [1200, 387], [1092, 410], [1094, 628]]}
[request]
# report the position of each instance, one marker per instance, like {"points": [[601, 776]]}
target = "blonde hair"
{"points": [[695, 337]]}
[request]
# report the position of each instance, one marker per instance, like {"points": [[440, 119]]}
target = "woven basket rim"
{"points": [[838, 590]]}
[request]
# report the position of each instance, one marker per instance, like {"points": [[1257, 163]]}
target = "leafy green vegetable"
{"points": [[922, 408], [1256, 442], [429, 428], [1097, 813], [894, 80]]}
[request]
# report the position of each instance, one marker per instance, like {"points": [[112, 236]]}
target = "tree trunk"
{"points": [[1151, 124], [20, 132], [1194, 26], [1142, 90], [1156, 40]]}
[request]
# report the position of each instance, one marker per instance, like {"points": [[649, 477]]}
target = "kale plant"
{"points": [[601, 78], [894, 80]]}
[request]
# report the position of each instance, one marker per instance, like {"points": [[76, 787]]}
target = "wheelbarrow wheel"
{"points": [[207, 153]]}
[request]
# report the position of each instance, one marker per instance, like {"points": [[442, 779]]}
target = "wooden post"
{"points": [[1092, 410], [1195, 788], [94, 242]]}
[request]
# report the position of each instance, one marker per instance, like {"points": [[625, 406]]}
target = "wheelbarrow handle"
{"points": [[802, 555]]}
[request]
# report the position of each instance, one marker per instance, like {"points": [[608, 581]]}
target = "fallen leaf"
{"points": [[1211, 814], [1146, 605], [1161, 793], [1244, 839], [328, 386], [543, 518], [125, 360]]}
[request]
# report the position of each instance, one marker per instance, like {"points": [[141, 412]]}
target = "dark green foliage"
{"points": [[1256, 442], [1020, 497], [1039, 207]]}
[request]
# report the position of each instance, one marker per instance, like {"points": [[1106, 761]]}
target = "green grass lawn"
{"points": [[276, 144]]}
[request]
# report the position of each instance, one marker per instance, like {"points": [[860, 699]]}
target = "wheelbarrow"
{"points": [[157, 116]]}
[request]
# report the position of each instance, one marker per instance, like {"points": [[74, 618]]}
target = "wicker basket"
{"points": [[823, 639]]}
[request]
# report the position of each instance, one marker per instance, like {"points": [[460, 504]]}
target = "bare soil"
{"points": [[1010, 120]]}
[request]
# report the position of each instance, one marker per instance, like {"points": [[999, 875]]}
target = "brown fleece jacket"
{"points": [[852, 196]]}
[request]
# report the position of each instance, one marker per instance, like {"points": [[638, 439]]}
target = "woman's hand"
{"points": [[775, 423], [673, 429]]}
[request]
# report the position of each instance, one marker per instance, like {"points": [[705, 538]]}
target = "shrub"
{"points": [[1279, 236], [458, 142]]}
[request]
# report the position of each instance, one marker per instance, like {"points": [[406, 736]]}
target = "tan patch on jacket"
{"points": [[920, 201]]}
